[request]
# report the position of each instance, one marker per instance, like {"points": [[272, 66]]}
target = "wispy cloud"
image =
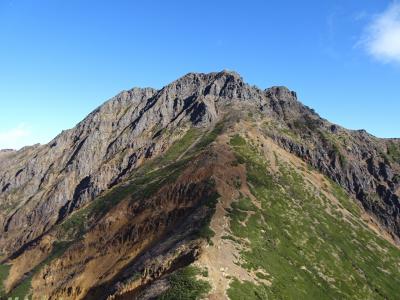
{"points": [[15, 138], [382, 35]]}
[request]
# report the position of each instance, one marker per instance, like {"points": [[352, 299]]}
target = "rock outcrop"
{"points": [[121, 188]]}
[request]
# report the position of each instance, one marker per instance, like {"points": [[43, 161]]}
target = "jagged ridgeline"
{"points": [[206, 188]]}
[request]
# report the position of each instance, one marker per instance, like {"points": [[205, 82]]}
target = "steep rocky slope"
{"points": [[249, 185]]}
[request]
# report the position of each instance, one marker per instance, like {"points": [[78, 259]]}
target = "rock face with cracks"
{"points": [[115, 206]]}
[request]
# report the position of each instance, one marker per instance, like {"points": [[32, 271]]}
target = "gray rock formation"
{"points": [[43, 184]]}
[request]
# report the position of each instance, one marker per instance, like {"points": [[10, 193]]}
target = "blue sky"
{"points": [[59, 60]]}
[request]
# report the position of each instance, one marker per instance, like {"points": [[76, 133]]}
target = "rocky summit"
{"points": [[208, 188]]}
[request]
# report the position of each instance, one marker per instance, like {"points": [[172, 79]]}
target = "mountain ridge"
{"points": [[226, 84], [45, 189]]}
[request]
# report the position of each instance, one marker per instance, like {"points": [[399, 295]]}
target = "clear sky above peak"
{"points": [[59, 60]]}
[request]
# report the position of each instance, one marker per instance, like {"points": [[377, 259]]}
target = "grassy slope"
{"points": [[22, 290], [146, 181], [393, 151], [4, 269], [307, 252], [143, 183], [185, 285]]}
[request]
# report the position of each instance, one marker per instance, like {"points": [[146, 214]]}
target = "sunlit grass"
{"points": [[308, 250]]}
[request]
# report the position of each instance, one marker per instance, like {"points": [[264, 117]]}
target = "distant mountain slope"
{"points": [[249, 186]]}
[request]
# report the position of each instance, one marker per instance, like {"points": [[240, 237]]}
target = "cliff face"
{"points": [[40, 185], [131, 189]]}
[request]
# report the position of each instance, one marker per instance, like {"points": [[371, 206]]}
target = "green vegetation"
{"points": [[244, 204], [344, 199], [184, 285], [22, 290], [237, 141], [393, 152], [210, 136], [6, 207], [304, 243], [247, 291], [204, 272], [338, 153], [179, 147], [143, 183], [272, 126], [307, 124], [58, 249], [335, 144], [289, 133], [4, 269], [205, 231]]}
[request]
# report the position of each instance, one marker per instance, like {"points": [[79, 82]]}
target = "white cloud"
{"points": [[382, 35], [15, 138]]}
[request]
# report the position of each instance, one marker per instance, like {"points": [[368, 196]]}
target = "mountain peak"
{"points": [[128, 195], [207, 78]]}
